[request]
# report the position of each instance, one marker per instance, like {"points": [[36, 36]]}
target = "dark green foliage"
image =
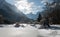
{"points": [[39, 17]]}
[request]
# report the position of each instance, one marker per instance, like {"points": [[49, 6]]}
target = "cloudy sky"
{"points": [[28, 6]]}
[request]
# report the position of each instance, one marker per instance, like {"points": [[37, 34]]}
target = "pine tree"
{"points": [[39, 17]]}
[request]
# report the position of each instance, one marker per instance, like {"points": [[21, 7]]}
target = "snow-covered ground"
{"points": [[29, 31]]}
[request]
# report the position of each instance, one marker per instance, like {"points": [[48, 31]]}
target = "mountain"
{"points": [[11, 13], [33, 16]]}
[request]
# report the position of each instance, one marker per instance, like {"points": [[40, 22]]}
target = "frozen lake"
{"points": [[28, 31]]}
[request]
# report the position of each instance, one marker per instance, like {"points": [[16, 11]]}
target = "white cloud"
{"points": [[26, 7]]}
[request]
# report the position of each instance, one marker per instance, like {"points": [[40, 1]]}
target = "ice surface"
{"points": [[28, 31]]}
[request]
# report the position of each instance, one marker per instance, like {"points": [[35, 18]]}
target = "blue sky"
{"points": [[28, 6], [37, 2]]}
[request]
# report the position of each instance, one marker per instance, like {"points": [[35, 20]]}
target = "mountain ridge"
{"points": [[10, 12]]}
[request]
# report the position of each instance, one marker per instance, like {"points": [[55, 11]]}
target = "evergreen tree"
{"points": [[39, 17]]}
